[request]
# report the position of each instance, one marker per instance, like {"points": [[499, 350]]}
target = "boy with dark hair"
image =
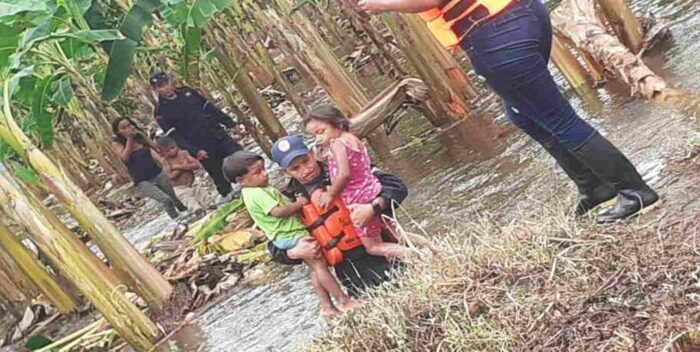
{"points": [[180, 166]]}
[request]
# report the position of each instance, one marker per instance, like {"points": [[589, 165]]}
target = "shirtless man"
{"points": [[180, 166]]}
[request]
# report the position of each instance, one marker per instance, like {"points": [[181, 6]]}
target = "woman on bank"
{"points": [[509, 42], [136, 151]]}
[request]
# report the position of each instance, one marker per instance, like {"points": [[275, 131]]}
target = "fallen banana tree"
{"points": [[387, 102], [576, 21]]}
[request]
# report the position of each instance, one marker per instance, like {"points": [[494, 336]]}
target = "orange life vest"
{"points": [[332, 229], [453, 19]]}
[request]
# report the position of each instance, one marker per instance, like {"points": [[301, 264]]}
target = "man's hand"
{"points": [[361, 214], [201, 155], [371, 6], [324, 200], [302, 200], [306, 249]]}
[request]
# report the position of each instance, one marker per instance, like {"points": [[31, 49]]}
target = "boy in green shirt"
{"points": [[276, 216]]}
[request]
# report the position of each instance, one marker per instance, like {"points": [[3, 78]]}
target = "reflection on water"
{"points": [[476, 166]]}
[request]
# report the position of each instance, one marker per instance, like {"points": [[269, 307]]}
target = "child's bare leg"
{"points": [[375, 246], [328, 282], [326, 305], [419, 241]]}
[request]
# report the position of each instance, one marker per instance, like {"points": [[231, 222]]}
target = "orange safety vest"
{"points": [[453, 19], [332, 228]]}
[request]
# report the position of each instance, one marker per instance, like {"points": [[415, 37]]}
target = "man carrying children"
{"points": [[358, 270]]}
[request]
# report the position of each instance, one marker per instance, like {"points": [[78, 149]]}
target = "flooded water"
{"points": [[481, 165]]}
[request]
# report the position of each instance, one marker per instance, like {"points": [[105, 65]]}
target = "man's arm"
{"points": [[214, 111]]}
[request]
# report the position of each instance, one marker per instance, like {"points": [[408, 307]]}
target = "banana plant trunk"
{"points": [[280, 79], [13, 251], [12, 294], [128, 264], [220, 82], [569, 66], [624, 23], [78, 264], [411, 36], [228, 56], [341, 85]]}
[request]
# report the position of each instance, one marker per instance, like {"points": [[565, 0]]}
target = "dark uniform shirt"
{"points": [[195, 123]]}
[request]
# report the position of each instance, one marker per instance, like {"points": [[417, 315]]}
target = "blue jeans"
{"points": [[512, 51]]}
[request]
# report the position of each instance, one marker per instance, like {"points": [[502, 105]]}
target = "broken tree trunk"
{"points": [[229, 58], [569, 66], [386, 103], [410, 31], [78, 264], [12, 249], [576, 20], [126, 262], [624, 23]]}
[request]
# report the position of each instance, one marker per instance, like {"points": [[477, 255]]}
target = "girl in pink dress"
{"points": [[351, 175]]}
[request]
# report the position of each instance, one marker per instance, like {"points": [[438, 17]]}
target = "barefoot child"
{"points": [[180, 166], [351, 175], [277, 217]]}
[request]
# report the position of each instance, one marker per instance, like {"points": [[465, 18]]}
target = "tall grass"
{"points": [[543, 282]]}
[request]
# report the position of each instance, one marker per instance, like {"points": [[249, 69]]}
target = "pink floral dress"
{"points": [[362, 187]]}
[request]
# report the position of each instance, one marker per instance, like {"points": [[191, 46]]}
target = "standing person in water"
{"points": [[197, 126], [351, 175], [136, 151], [509, 43]]}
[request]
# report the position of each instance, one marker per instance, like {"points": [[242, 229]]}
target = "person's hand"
{"points": [[306, 249], [361, 214], [201, 155], [324, 200], [302, 200], [370, 6]]}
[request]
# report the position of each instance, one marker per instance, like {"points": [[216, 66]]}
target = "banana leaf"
{"points": [[122, 54], [218, 222], [9, 8], [43, 119]]}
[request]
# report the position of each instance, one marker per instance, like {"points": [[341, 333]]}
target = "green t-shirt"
{"points": [[260, 201]]}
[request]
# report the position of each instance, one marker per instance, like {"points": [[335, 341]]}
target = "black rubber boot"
{"points": [[592, 190], [608, 163]]}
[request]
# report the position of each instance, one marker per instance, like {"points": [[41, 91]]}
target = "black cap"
{"points": [[158, 78], [237, 164]]}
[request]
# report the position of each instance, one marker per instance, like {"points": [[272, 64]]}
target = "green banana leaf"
{"points": [[43, 120], [64, 91], [9, 8], [122, 54]]}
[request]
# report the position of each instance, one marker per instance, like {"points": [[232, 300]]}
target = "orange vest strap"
{"points": [[453, 19]]}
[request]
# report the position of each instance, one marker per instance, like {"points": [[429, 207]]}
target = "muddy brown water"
{"points": [[482, 165]]}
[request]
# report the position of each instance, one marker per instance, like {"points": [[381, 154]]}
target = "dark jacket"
{"points": [[195, 123]]}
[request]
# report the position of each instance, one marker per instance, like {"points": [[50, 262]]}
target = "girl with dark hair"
{"points": [[136, 151], [351, 175]]}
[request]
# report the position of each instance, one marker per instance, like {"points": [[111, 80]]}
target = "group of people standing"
{"points": [[508, 42], [194, 137]]}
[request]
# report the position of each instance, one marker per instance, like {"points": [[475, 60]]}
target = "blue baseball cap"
{"points": [[287, 148]]}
